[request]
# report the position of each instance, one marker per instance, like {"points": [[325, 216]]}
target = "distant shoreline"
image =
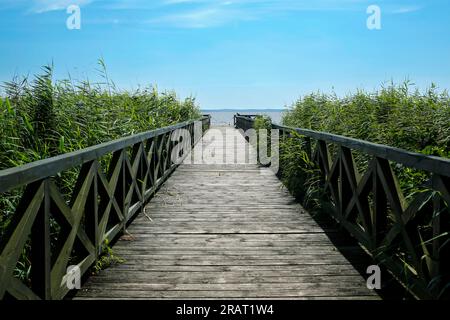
{"points": [[243, 110], [225, 116]]}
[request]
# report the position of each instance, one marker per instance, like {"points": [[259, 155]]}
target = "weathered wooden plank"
{"points": [[255, 288], [263, 276], [229, 294], [259, 251], [334, 269]]}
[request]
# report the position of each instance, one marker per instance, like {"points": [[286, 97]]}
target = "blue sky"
{"points": [[232, 54]]}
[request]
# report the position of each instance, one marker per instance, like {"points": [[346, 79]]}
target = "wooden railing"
{"points": [[54, 230], [408, 236]]}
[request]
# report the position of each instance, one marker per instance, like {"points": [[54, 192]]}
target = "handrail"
{"points": [[16, 176], [410, 159], [410, 237], [101, 205]]}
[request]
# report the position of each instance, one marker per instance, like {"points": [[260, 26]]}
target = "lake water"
{"points": [[226, 117]]}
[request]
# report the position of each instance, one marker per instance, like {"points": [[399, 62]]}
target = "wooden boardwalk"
{"points": [[228, 231]]}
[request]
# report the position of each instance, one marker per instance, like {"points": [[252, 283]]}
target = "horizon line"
{"points": [[244, 109]]}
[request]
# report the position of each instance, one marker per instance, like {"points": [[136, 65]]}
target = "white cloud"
{"points": [[407, 9], [201, 18], [212, 13], [40, 6]]}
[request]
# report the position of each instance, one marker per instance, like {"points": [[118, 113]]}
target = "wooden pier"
{"points": [[228, 231], [225, 227]]}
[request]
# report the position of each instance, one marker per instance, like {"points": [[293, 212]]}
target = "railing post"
{"points": [[379, 212], [91, 212], [308, 147], [40, 248]]}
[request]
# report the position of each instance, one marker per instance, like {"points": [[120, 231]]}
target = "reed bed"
{"points": [[41, 117]]}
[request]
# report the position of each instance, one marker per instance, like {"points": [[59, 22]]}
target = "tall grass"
{"points": [[41, 117], [396, 115]]}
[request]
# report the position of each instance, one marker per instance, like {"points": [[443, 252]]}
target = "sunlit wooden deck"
{"points": [[228, 231]]}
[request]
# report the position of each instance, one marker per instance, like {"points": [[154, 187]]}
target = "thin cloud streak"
{"points": [[42, 6], [214, 13], [409, 9], [190, 14]]}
